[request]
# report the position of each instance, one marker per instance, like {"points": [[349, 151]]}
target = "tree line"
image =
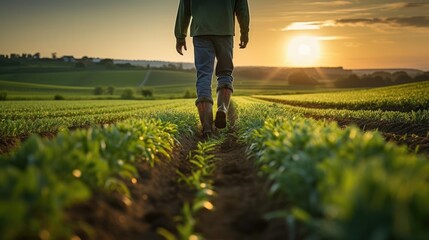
{"points": [[380, 79]]}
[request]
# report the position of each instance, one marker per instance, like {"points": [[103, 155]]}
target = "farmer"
{"points": [[212, 29]]}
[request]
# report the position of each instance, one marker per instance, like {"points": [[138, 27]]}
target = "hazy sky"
{"points": [[353, 34]]}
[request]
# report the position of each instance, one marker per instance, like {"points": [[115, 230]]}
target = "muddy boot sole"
{"points": [[220, 121]]}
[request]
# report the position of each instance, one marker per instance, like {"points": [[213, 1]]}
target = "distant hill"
{"points": [[321, 74], [410, 71]]}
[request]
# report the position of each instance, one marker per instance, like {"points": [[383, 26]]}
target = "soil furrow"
{"points": [[415, 136], [241, 198], [156, 199], [343, 106]]}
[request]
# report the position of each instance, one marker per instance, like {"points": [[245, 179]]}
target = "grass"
{"points": [[79, 84], [81, 78]]}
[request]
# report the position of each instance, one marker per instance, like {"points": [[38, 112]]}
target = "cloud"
{"points": [[416, 21], [416, 4], [307, 25], [331, 38], [303, 26], [404, 5], [331, 3]]}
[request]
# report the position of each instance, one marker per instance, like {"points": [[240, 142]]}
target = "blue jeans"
{"points": [[207, 49]]}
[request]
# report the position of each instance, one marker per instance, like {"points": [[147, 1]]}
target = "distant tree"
{"points": [[58, 97], [36, 55], [3, 96], [108, 63], [401, 77], [110, 90], [124, 65], [54, 56], [382, 74], [127, 94], [352, 80], [422, 77], [98, 90], [147, 93], [301, 78]]}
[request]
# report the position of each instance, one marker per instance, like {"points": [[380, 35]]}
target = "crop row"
{"points": [[54, 113], [418, 117], [404, 98], [341, 183], [43, 177], [75, 119], [53, 106]]}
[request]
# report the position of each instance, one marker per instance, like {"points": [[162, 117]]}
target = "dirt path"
{"points": [[241, 199]]}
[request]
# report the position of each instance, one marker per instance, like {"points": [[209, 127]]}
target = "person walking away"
{"points": [[212, 29]]}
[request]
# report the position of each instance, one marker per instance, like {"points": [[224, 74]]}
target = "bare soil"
{"points": [[8, 144], [241, 199]]}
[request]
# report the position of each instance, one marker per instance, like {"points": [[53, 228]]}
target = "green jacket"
{"points": [[211, 17]]}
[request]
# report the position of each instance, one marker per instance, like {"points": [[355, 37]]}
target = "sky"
{"points": [[353, 34]]}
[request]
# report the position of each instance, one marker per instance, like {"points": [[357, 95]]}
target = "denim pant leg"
{"points": [[224, 67], [204, 63]]}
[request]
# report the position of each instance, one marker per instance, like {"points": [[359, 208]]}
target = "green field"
{"points": [[405, 97], [303, 163], [80, 84], [321, 176], [39, 83]]}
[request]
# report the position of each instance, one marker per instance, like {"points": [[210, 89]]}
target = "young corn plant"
{"points": [[202, 160], [44, 176], [341, 183]]}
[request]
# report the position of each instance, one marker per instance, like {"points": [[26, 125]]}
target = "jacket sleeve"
{"points": [[183, 18], [243, 16]]}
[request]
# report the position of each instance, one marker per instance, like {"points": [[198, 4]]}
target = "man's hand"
{"points": [[244, 39], [181, 43]]}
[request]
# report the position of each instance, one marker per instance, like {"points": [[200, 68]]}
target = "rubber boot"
{"points": [[205, 110], [223, 99]]}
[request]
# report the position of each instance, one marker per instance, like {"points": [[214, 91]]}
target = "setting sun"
{"points": [[303, 51]]}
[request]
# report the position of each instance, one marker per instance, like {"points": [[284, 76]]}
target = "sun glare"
{"points": [[303, 51]]}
